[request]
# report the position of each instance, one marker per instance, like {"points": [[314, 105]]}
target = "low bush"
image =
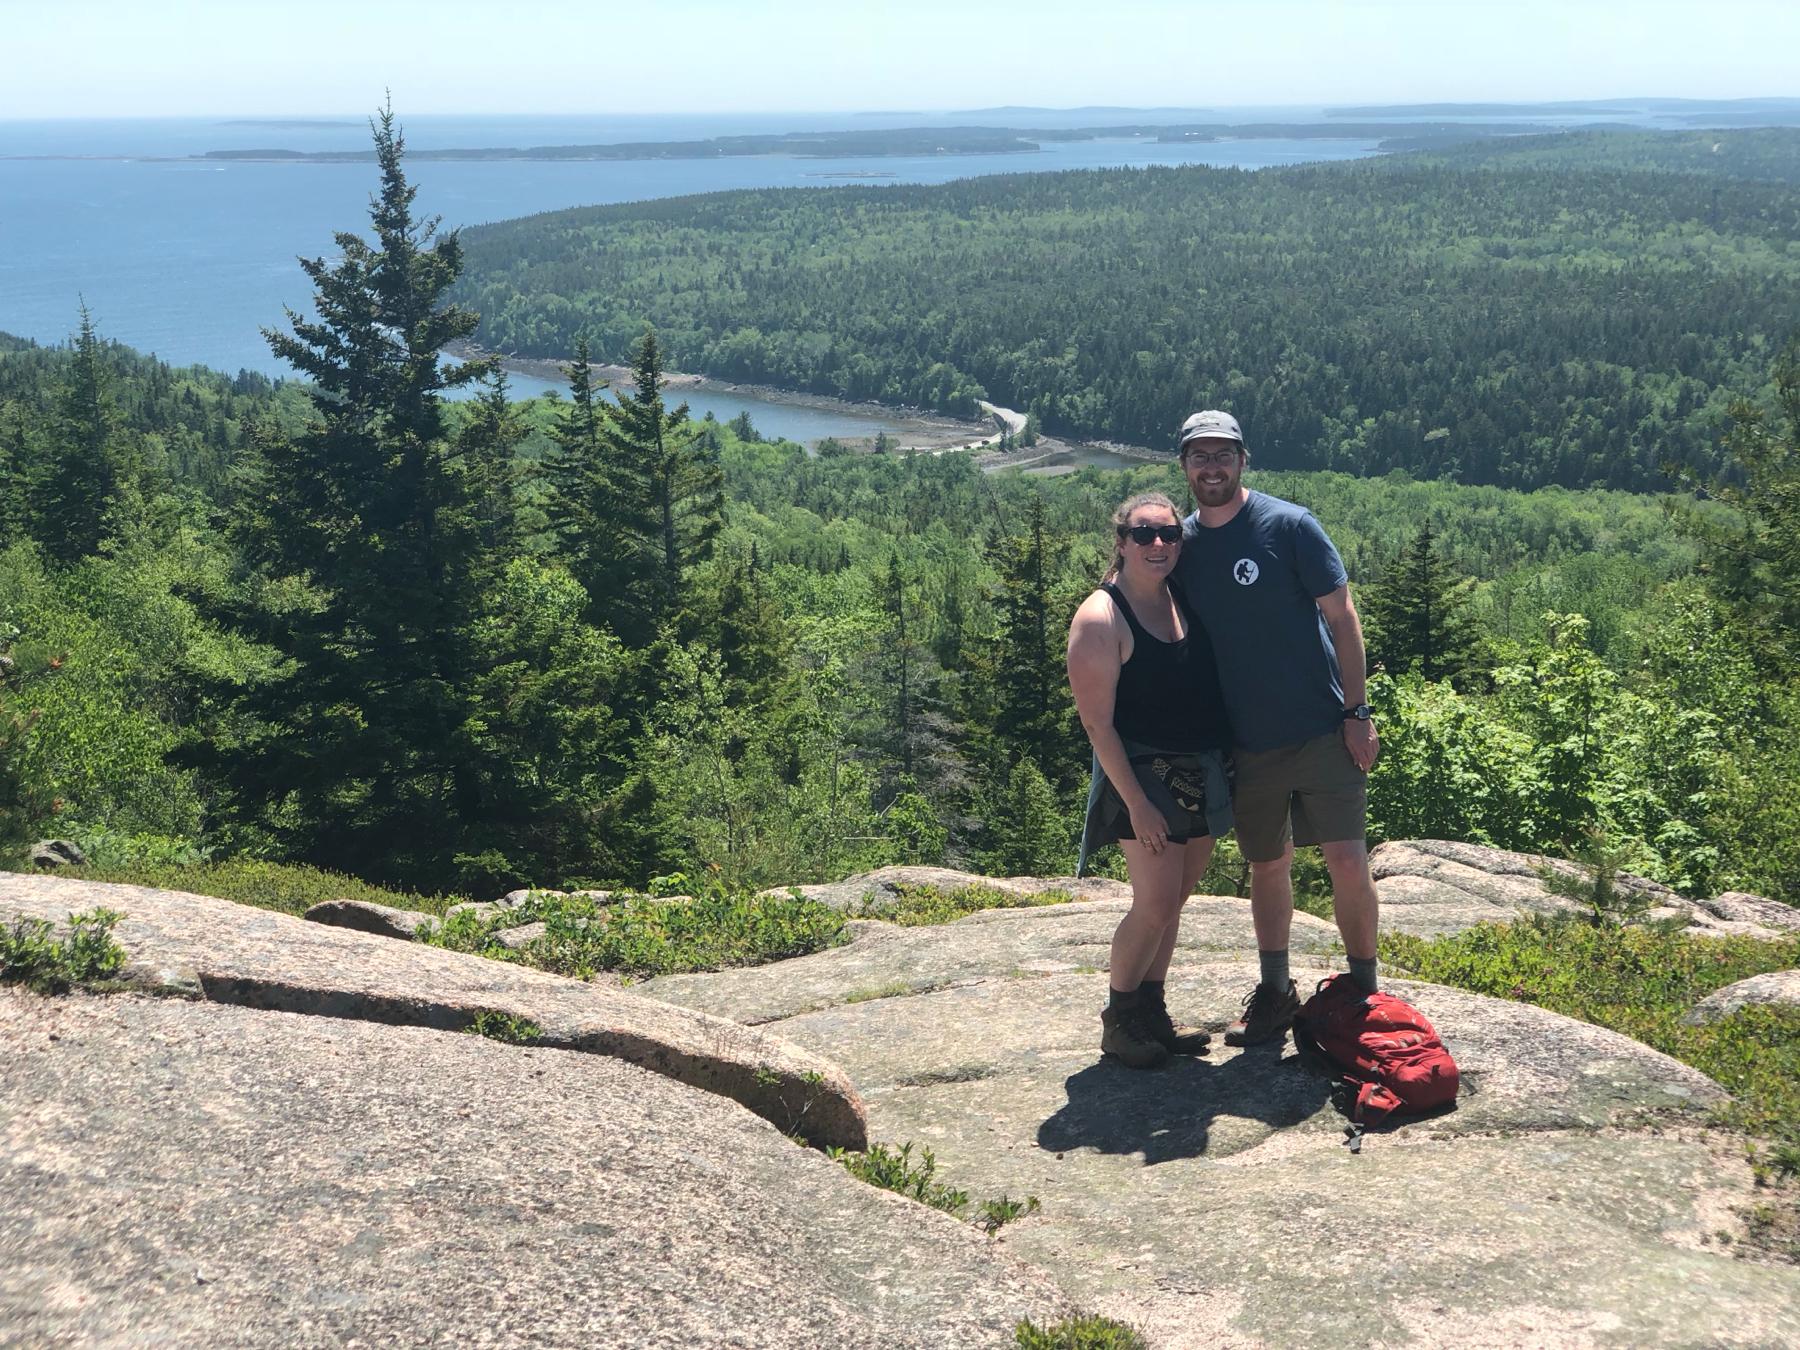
{"points": [[287, 887], [641, 936], [506, 1028], [1077, 1333], [916, 906], [894, 1169], [32, 955], [1638, 980]]}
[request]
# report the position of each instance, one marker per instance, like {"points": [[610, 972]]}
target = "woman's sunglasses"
{"points": [[1144, 534]]}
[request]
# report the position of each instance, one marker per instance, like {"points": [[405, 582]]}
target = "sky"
{"points": [[124, 58]]}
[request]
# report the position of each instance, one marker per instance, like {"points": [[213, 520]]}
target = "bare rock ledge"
{"points": [[1430, 887], [230, 953], [1779, 987], [365, 916], [193, 1175], [1575, 1197]]}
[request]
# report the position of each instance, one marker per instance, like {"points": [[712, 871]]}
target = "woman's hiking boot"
{"points": [[1173, 1037], [1268, 1013], [1127, 1036]]}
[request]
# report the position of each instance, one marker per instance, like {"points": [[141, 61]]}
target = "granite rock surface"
{"points": [[1578, 1195], [1780, 988], [186, 1173], [228, 953], [1431, 887]]}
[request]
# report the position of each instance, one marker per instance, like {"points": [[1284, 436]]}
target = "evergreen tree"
{"points": [[737, 616], [1031, 713], [1416, 616], [668, 504], [16, 461], [1755, 568], [584, 506], [902, 658], [88, 469], [1030, 836], [381, 519], [911, 732], [488, 444]]}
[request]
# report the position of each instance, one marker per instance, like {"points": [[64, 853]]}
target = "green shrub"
{"points": [[1077, 1333], [285, 887], [915, 906], [641, 936], [996, 1214], [1638, 981], [505, 1028], [894, 1170], [31, 954]]}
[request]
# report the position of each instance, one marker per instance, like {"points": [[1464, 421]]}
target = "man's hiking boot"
{"points": [[1177, 1040], [1267, 1016], [1127, 1036]]}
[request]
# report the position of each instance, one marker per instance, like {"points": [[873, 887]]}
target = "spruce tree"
{"points": [[1416, 617], [1753, 567], [487, 446], [1031, 713], [16, 460], [585, 508], [88, 470], [666, 505], [374, 521], [911, 731]]}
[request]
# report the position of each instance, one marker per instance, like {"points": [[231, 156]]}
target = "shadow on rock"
{"points": [[1167, 1113]]}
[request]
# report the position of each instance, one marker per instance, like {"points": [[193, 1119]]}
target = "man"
{"points": [[1276, 601]]}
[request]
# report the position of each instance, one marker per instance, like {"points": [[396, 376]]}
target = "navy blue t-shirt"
{"points": [[1255, 582]]}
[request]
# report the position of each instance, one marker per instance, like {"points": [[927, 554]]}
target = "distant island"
{"points": [[297, 123], [1729, 109], [1012, 108], [921, 141]]}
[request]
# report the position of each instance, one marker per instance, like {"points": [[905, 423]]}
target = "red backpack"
{"points": [[1383, 1055]]}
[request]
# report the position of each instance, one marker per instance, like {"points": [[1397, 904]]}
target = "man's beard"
{"points": [[1216, 494]]}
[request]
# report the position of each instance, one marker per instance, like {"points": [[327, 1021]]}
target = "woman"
{"points": [[1141, 668]]}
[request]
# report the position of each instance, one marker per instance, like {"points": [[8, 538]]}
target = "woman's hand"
{"points": [[1149, 827]]}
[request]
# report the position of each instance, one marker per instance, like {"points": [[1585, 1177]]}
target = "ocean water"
{"points": [[191, 259]]}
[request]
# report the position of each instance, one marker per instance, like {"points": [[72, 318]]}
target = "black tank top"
{"points": [[1168, 695]]}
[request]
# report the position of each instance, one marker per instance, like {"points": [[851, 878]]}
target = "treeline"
{"points": [[179, 424], [1770, 154], [383, 639], [1519, 328]]}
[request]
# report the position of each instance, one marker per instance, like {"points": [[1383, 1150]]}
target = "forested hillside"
{"points": [[353, 624], [1771, 154], [1493, 324]]}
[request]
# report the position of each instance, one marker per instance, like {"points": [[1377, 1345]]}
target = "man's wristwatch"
{"points": [[1362, 712]]}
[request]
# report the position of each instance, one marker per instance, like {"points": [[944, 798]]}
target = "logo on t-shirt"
{"points": [[1245, 572]]}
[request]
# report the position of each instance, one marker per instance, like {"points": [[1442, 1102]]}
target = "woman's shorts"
{"points": [[1191, 789]]}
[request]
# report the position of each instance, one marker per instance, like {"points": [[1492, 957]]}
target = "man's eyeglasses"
{"points": [[1144, 534], [1220, 457]]}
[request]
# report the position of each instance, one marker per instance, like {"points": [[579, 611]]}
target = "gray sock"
{"points": [[1362, 970], [1274, 969], [1123, 999]]}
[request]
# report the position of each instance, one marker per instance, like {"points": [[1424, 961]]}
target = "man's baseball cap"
{"points": [[1212, 422]]}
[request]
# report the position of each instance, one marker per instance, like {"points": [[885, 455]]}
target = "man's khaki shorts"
{"points": [[1312, 793]]}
